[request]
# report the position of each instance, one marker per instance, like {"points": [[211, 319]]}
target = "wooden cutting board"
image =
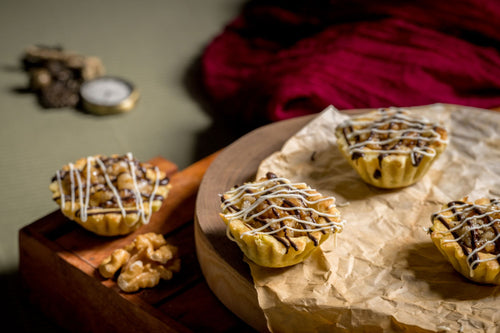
{"points": [[220, 259], [59, 260]]}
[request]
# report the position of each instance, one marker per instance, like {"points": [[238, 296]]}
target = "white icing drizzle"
{"points": [[417, 127], [79, 183], [111, 186], [466, 208], [84, 199], [84, 208], [72, 185], [151, 198], [139, 204], [283, 190]]}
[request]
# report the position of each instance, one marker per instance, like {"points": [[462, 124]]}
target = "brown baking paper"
{"points": [[383, 273]]}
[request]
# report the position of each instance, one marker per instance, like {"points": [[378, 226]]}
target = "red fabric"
{"points": [[281, 59]]}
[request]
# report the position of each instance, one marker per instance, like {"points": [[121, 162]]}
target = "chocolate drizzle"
{"points": [[280, 209], [468, 223], [391, 131], [356, 155], [97, 185]]}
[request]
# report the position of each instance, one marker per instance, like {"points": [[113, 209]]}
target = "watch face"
{"points": [[106, 91]]}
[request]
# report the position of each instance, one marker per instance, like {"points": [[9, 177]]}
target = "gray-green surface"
{"points": [[154, 44]]}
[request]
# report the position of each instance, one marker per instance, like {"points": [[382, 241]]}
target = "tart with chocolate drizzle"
{"points": [[468, 235], [277, 223], [390, 147], [109, 195]]}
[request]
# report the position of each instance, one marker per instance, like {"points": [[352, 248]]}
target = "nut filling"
{"points": [[285, 210], [475, 227], [392, 131], [97, 190]]}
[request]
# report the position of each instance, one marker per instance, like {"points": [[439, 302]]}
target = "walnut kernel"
{"points": [[143, 263]]}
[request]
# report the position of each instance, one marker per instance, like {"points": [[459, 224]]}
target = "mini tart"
{"points": [[109, 196], [468, 235], [390, 147], [277, 223]]}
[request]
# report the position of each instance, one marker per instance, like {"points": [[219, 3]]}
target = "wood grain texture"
{"points": [[220, 259], [59, 260], [234, 165]]}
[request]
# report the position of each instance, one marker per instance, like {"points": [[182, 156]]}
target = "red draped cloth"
{"points": [[282, 59]]}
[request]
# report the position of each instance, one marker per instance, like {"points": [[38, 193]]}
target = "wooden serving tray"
{"points": [[220, 259], [59, 260]]}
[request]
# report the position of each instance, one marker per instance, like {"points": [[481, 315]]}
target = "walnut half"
{"points": [[143, 263]]}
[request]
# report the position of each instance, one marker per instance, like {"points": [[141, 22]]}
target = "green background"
{"points": [[154, 44]]}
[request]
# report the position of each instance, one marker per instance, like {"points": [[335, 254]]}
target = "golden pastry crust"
{"points": [[389, 147], [143, 263], [277, 223], [468, 235], [109, 195]]}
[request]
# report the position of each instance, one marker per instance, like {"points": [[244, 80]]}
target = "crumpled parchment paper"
{"points": [[383, 273]]}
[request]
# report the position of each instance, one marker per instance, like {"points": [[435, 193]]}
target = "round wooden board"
{"points": [[220, 259]]}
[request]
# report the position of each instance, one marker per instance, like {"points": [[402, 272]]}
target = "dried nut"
{"points": [[92, 68], [56, 74], [143, 263], [89, 67], [39, 78], [110, 195], [137, 276], [112, 264]]}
